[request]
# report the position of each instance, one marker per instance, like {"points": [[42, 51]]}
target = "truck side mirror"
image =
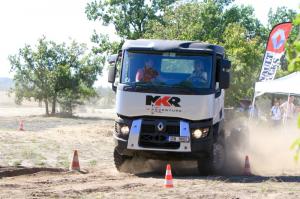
{"points": [[226, 64], [112, 74], [112, 59], [224, 73], [112, 77]]}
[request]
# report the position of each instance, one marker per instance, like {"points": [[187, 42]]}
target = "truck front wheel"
{"points": [[205, 166], [119, 159], [215, 162]]}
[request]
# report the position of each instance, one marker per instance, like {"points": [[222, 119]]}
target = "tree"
{"points": [[244, 15], [293, 56], [235, 28], [32, 76], [213, 21], [82, 70], [283, 14], [204, 21], [293, 52], [54, 73], [246, 56], [182, 23], [130, 17]]}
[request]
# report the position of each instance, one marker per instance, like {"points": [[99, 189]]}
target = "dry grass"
{"points": [[50, 141]]}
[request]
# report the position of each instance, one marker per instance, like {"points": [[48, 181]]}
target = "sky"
{"points": [[23, 22]]}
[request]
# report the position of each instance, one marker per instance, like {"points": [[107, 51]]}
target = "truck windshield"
{"points": [[167, 70]]}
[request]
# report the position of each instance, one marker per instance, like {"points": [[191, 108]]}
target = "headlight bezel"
{"points": [[121, 131], [199, 133]]}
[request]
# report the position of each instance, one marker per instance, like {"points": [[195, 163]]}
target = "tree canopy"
{"points": [[215, 21], [293, 53], [130, 17], [52, 73]]}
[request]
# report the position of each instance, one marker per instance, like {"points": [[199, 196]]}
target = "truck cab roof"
{"points": [[171, 45]]}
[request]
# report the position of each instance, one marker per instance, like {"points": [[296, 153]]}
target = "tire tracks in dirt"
{"points": [[17, 171]]}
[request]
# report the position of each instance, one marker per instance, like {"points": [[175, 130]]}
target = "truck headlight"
{"points": [[200, 133], [197, 133], [122, 130], [125, 130]]}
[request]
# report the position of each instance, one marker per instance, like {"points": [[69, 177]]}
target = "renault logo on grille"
{"points": [[160, 126]]}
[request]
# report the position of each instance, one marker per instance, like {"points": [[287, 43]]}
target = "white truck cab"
{"points": [[170, 101]]}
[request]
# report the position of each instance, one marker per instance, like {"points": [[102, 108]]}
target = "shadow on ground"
{"points": [[17, 171], [226, 179]]}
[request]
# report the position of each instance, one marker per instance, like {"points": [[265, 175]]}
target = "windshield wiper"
{"points": [[160, 87], [184, 90], [149, 87]]}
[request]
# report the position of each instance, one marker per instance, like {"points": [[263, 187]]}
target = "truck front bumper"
{"points": [[199, 149], [189, 149]]}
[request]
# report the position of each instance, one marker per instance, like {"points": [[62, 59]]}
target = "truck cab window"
{"points": [[118, 69], [169, 70]]}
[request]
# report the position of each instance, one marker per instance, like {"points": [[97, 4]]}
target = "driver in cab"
{"points": [[147, 73], [198, 74]]}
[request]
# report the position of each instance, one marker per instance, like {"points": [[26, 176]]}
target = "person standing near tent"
{"points": [[289, 109], [276, 114]]}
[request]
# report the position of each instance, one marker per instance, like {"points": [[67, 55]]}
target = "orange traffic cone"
{"points": [[75, 162], [168, 177], [21, 125], [247, 170]]}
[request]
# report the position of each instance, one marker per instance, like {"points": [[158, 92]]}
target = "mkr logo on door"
{"points": [[163, 104], [162, 101]]}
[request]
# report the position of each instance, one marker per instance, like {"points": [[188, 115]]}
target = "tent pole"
{"points": [[251, 112], [251, 115], [285, 114]]}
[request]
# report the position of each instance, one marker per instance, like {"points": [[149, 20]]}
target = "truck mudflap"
{"points": [[183, 140]]}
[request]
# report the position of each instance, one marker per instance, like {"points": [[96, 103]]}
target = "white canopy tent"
{"points": [[289, 84]]}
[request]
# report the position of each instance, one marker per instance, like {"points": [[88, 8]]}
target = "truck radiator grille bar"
{"points": [[151, 136]]}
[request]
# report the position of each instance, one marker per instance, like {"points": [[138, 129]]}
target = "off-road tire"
{"points": [[205, 166], [119, 159], [210, 165], [238, 140]]}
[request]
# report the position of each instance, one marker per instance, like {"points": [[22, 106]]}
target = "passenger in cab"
{"points": [[198, 74]]}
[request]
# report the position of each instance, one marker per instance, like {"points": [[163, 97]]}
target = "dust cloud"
{"points": [[140, 165], [270, 152], [268, 149]]}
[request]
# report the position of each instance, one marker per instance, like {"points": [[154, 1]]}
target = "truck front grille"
{"points": [[152, 137]]}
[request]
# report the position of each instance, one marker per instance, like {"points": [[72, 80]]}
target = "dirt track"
{"points": [[110, 184], [49, 142]]}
